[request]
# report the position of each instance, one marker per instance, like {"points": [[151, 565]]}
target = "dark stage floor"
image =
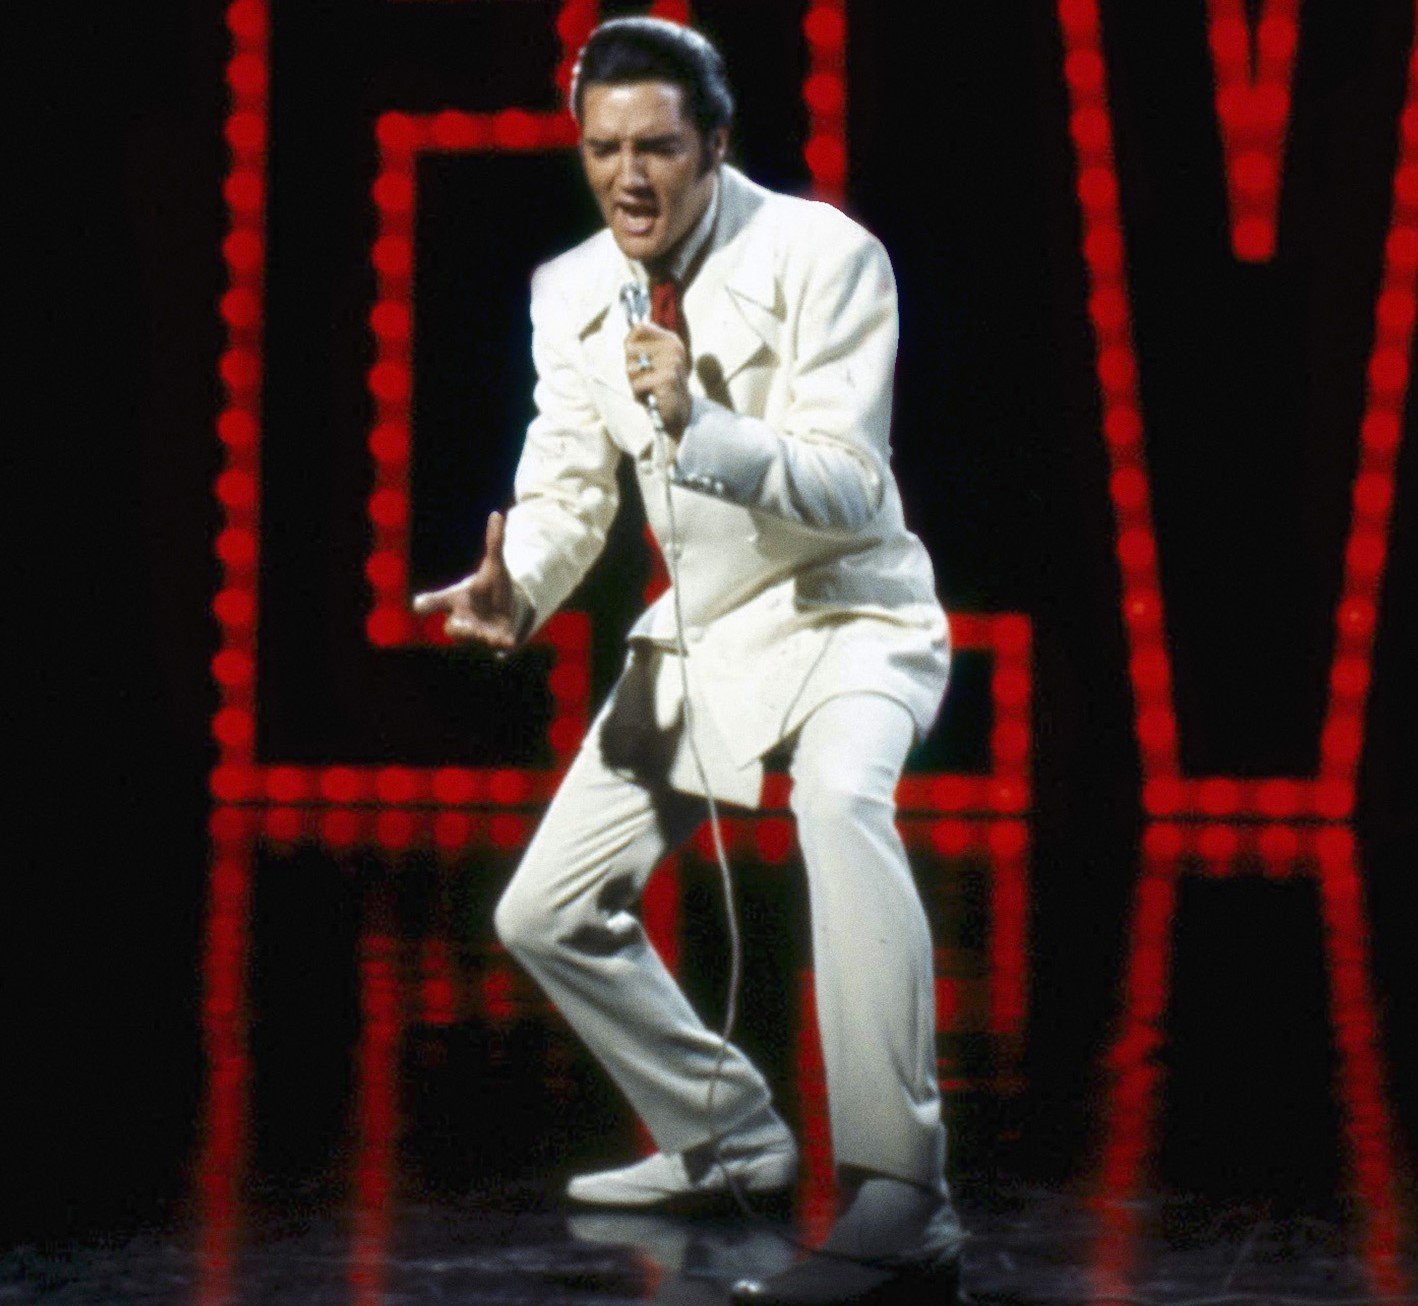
{"points": [[371, 1105], [514, 1245]]}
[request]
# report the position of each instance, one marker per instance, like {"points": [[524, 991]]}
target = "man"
{"points": [[810, 626]]}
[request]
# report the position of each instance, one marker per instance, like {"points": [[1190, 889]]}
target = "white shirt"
{"points": [[689, 249]]}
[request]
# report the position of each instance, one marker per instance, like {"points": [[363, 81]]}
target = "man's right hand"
{"points": [[483, 606]]}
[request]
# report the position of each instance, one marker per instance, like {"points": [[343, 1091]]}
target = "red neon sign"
{"points": [[453, 809], [422, 983], [221, 1162], [1254, 69], [402, 137], [1260, 824], [1327, 854], [239, 776], [377, 1111], [1166, 793]]}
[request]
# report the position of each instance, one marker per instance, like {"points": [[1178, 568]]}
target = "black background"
{"points": [[1252, 381]]}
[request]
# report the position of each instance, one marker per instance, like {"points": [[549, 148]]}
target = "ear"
{"points": [[718, 146]]}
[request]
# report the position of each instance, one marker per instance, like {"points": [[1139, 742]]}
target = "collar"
{"points": [[599, 269], [687, 255]]}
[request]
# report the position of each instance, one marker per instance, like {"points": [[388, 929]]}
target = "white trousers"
{"points": [[568, 917]]}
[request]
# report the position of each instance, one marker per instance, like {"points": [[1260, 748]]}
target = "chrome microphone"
{"points": [[635, 299]]}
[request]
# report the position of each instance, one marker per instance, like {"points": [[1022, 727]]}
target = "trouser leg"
{"points": [[567, 917], [872, 953]]}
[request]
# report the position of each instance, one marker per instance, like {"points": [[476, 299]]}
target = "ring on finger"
{"points": [[642, 361]]}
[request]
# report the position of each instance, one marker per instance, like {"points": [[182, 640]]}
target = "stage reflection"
{"points": [[385, 1088]]}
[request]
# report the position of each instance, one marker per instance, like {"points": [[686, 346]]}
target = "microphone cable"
{"points": [[635, 300]]}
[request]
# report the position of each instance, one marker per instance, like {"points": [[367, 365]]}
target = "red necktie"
{"points": [[665, 309]]}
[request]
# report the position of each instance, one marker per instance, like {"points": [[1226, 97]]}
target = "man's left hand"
{"points": [[658, 364]]}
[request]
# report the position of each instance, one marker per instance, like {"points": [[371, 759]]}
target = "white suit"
{"points": [[810, 617]]}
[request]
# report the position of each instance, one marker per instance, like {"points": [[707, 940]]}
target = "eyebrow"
{"points": [[643, 142]]}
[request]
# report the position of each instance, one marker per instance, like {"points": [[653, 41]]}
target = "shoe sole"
{"points": [[776, 1202]]}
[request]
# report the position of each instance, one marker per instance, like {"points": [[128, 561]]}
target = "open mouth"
{"points": [[636, 219]]}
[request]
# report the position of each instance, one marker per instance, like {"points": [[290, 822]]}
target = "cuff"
{"points": [[722, 453], [526, 612]]}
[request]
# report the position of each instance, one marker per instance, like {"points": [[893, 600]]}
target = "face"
{"points": [[650, 170]]}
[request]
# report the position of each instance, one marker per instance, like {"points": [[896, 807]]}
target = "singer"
{"points": [[810, 627]]}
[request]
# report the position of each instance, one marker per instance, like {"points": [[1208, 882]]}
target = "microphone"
{"points": [[635, 300]]}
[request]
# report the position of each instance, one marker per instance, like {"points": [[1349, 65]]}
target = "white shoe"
{"points": [[693, 1180]]}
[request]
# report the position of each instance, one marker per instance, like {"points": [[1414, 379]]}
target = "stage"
{"points": [[1153, 424]]}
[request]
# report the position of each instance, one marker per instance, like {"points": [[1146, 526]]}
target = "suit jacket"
{"points": [[797, 578]]}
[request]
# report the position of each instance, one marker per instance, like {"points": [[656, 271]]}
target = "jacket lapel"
{"points": [[733, 305], [604, 339], [602, 328]]}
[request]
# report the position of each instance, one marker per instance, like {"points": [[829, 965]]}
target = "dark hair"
{"points": [[655, 50]]}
